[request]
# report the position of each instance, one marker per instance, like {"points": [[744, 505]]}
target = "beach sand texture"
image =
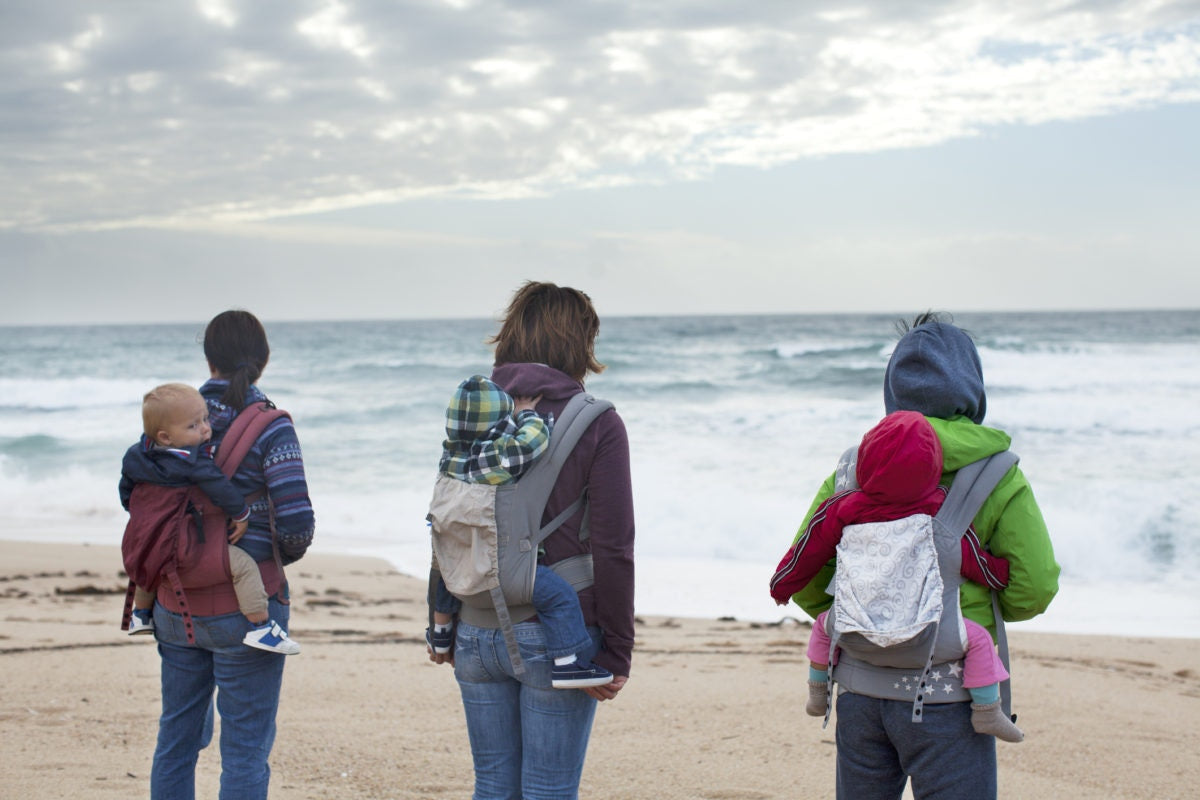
{"points": [[714, 709]]}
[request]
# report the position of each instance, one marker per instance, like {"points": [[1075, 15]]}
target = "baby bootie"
{"points": [[818, 698], [990, 719]]}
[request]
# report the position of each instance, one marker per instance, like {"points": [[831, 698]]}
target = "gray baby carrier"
{"points": [[907, 643], [486, 538]]}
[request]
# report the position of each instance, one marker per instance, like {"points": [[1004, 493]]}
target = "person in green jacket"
{"points": [[935, 370]]}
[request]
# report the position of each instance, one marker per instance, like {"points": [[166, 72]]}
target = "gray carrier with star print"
{"points": [[909, 646]]}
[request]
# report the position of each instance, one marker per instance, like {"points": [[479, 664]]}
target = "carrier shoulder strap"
{"points": [[242, 435], [581, 411], [980, 480], [972, 486], [535, 486], [243, 432]]}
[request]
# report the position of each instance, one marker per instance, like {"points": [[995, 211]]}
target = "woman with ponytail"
{"points": [[280, 529]]}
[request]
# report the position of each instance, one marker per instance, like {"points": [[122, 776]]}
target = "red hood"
{"points": [[899, 465], [900, 459]]}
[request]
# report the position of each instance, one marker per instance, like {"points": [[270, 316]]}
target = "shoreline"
{"points": [[1080, 609], [714, 708]]}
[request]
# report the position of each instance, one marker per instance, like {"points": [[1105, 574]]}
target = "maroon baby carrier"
{"points": [[177, 539]]}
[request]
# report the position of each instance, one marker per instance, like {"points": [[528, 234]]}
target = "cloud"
{"points": [[153, 114]]}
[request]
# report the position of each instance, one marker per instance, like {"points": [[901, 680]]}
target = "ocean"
{"points": [[734, 421]]}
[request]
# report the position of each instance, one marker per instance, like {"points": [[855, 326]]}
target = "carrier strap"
{"points": [[971, 488], [1002, 646], [564, 515], [576, 570], [540, 481], [506, 625], [230, 456], [981, 486]]}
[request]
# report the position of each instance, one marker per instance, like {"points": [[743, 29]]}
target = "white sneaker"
{"points": [[140, 621], [269, 636]]}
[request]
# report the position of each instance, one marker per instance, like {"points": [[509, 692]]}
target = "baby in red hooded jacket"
{"points": [[899, 466]]}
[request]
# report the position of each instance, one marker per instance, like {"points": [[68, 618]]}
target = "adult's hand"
{"points": [[440, 658], [608, 691]]}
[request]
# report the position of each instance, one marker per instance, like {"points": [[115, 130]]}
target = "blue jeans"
{"points": [[249, 681], [528, 740], [879, 746]]}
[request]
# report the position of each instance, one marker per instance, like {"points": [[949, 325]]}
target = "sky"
{"points": [[340, 159]]}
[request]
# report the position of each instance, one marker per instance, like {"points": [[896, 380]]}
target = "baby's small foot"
{"points": [[818, 698], [578, 675], [439, 641], [141, 621], [990, 719], [269, 636]]}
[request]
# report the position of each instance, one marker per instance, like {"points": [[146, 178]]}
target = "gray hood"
{"points": [[935, 370]]}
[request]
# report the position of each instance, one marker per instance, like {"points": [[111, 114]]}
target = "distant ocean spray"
{"points": [[733, 420]]}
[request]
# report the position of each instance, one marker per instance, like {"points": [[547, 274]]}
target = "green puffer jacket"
{"points": [[1010, 524]]}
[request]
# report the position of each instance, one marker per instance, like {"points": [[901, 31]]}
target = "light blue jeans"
{"points": [[528, 740], [879, 747], [248, 680]]}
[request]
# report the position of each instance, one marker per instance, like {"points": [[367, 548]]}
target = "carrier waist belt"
{"points": [[891, 683], [576, 570]]}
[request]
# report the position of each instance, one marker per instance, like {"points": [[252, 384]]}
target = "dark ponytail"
{"points": [[235, 345]]}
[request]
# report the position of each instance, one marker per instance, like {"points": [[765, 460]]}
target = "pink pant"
{"points": [[981, 665]]}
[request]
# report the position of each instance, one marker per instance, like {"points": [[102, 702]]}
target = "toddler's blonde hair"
{"points": [[161, 402]]}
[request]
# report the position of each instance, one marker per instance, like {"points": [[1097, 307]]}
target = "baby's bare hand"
{"points": [[236, 531], [525, 403]]}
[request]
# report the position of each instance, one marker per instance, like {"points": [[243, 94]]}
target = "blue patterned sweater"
{"points": [[276, 464]]}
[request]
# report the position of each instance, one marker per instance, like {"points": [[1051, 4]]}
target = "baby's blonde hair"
{"points": [[162, 401]]}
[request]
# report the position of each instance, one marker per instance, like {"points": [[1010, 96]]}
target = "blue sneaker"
{"points": [[269, 636], [439, 641], [141, 622], [578, 675]]}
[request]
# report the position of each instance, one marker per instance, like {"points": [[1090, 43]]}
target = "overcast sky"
{"points": [[411, 158]]}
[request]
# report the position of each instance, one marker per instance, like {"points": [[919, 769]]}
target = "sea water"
{"points": [[733, 422]]}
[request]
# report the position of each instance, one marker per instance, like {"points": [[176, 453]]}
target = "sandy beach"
{"points": [[714, 708]]}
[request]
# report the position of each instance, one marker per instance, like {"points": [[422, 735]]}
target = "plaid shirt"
{"points": [[486, 443]]}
